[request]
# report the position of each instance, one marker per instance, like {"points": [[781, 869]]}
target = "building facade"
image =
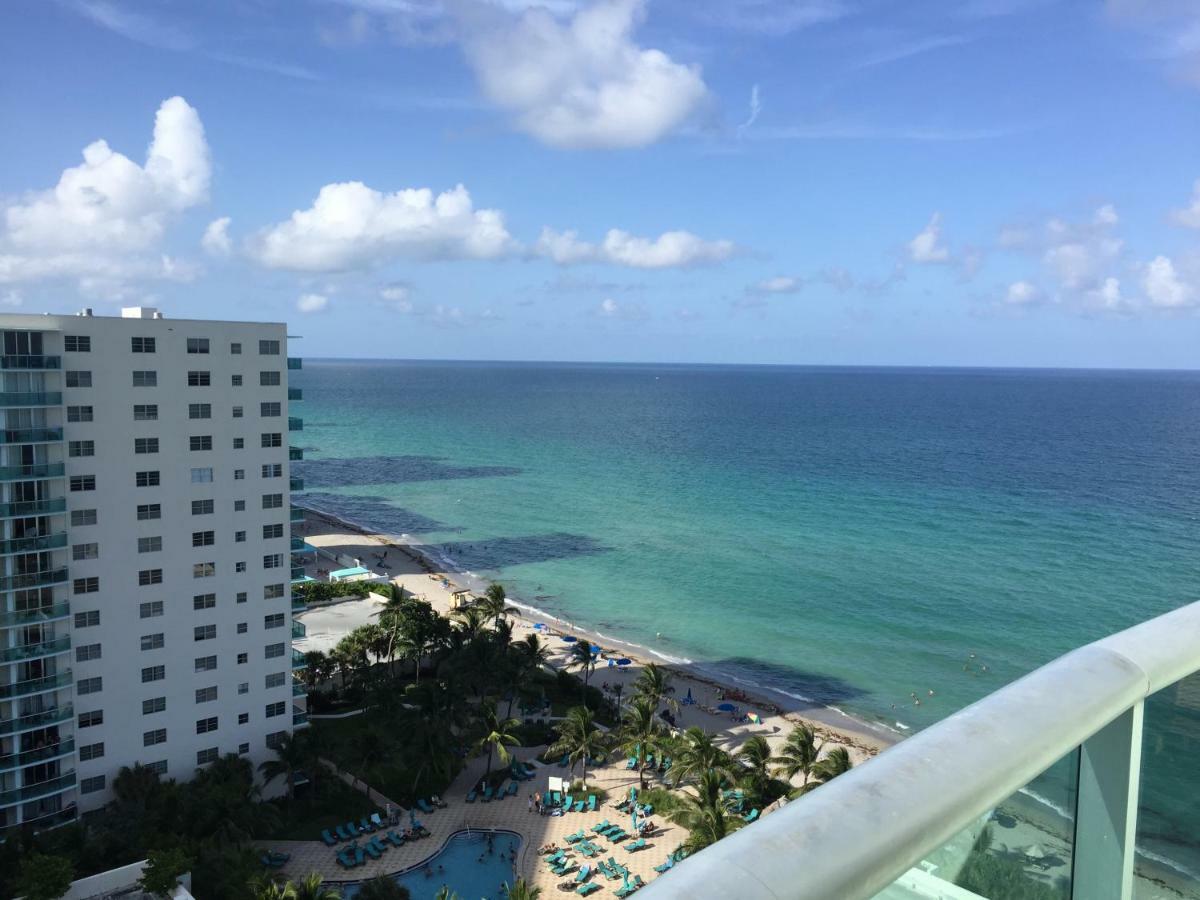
{"points": [[145, 552]]}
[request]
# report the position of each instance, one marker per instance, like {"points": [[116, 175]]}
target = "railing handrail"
{"points": [[857, 834]]}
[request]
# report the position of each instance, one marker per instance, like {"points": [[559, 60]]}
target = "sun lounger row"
{"points": [[356, 854], [273, 859], [350, 830], [630, 886], [497, 794], [568, 803]]}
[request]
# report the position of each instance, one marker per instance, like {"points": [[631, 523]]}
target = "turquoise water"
{"points": [[466, 866], [849, 536]]}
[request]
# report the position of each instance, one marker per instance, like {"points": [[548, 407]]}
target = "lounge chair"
{"points": [[360, 856], [601, 826], [423, 805], [471, 796], [565, 868], [373, 851], [365, 826], [670, 863], [396, 839], [376, 820], [566, 802], [637, 845], [574, 838], [580, 805], [586, 849], [606, 871], [584, 874], [750, 817], [584, 889], [512, 789], [617, 836], [487, 794], [555, 798], [344, 833], [328, 838], [632, 764], [591, 804], [344, 861]]}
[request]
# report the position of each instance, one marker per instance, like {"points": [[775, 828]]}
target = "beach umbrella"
{"points": [[726, 707], [569, 639], [539, 625], [596, 649], [755, 718], [1035, 851], [624, 661]]}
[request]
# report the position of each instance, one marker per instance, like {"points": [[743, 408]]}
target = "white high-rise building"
{"points": [[145, 552]]}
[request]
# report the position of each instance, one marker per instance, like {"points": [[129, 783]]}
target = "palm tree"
{"points": [[311, 887], [496, 734], [641, 734], [654, 683], [697, 755], [579, 738], [382, 887], [293, 754], [522, 890], [799, 754], [581, 656], [492, 604], [470, 621], [444, 893], [836, 762], [263, 887], [705, 816], [757, 759]]}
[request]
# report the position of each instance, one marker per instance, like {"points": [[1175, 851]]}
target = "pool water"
{"points": [[466, 866]]}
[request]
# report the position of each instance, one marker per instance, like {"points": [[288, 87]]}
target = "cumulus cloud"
{"points": [[312, 303], [608, 308], [1164, 287], [104, 214], [780, 284], [216, 240], [1022, 293], [671, 249], [352, 226], [1189, 216], [927, 246], [582, 81]]}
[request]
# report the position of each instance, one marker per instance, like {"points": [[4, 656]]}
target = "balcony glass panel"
{"points": [[30, 435], [31, 398], [295, 394], [1022, 850], [32, 579], [299, 630], [41, 754], [39, 470], [296, 484], [32, 544], [298, 604], [23, 508], [295, 454], [294, 362], [298, 660], [295, 424], [33, 651], [35, 685], [42, 789], [37, 720], [297, 514], [29, 361]]}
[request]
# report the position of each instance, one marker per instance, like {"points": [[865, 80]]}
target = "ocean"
{"points": [[859, 537]]}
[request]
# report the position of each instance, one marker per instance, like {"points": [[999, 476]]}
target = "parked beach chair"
{"points": [[546, 799], [580, 805], [574, 838], [328, 838], [423, 805], [584, 889], [606, 870], [376, 820], [471, 795], [566, 803], [555, 798], [346, 858], [665, 866], [373, 851], [601, 826], [360, 856], [565, 868], [512, 789], [591, 804], [617, 836], [584, 874], [365, 826], [345, 833], [637, 845], [396, 839], [487, 794], [632, 764], [752, 816], [587, 849]]}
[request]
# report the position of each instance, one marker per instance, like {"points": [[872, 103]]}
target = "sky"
{"points": [[859, 182]]}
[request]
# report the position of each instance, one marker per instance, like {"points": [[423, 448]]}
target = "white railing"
{"points": [[856, 835]]}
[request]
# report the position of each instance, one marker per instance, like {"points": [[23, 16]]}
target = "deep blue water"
{"points": [[850, 536]]}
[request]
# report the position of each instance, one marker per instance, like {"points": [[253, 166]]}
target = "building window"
{"points": [[158, 767], [243, 627], [145, 412], [243, 718], [272, 591], [243, 658], [79, 414], [268, 379], [202, 507], [272, 439], [151, 738], [204, 601], [239, 537], [77, 343], [206, 664], [149, 544], [81, 448], [83, 483], [200, 442], [152, 641], [204, 570], [204, 726], [151, 609], [81, 517], [275, 739], [88, 652], [206, 694], [92, 784], [145, 445], [149, 511], [89, 585], [202, 476], [199, 410], [197, 345], [276, 709], [145, 378], [272, 560], [89, 685], [199, 379], [206, 756], [276, 680], [146, 479], [89, 619], [272, 501], [272, 470], [142, 344], [239, 567], [204, 633], [91, 719], [237, 412], [153, 673], [236, 380], [85, 551], [244, 687], [239, 505], [203, 538], [89, 752], [239, 474], [239, 443], [268, 348], [241, 597], [154, 705], [235, 349], [269, 410], [273, 651], [272, 531], [78, 379], [243, 748], [149, 576]]}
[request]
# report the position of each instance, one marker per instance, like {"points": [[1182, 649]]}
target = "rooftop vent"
{"points": [[138, 312]]}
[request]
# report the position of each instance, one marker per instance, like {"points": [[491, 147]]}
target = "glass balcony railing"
{"points": [[46, 822], [299, 631], [296, 514], [294, 362], [299, 717], [298, 690], [295, 424], [295, 454], [26, 652], [295, 394], [36, 616], [31, 398], [297, 572], [298, 660], [41, 754], [295, 484], [297, 544], [298, 604], [33, 544], [23, 508], [32, 579], [29, 361], [30, 472], [35, 685], [30, 435], [37, 720], [41, 789]]}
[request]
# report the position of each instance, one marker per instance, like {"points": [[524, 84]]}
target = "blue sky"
{"points": [[982, 182]]}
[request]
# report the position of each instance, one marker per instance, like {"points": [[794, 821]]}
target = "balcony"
{"points": [[48, 822], [298, 604], [42, 754], [25, 580], [295, 424], [38, 616], [295, 454], [31, 398], [30, 362], [41, 789], [299, 717], [295, 484], [295, 394], [35, 685], [299, 631], [298, 690], [298, 660], [297, 573], [294, 362], [30, 435], [37, 720], [24, 508], [296, 514], [33, 544], [26, 652], [31, 472]]}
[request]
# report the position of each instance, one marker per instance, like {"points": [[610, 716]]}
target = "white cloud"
{"points": [[1164, 287], [752, 117], [105, 213], [583, 82], [671, 249], [12, 298], [216, 241], [609, 308], [1106, 216], [398, 297], [927, 247], [1107, 295], [352, 226], [1189, 216], [312, 303], [1022, 293], [780, 284]]}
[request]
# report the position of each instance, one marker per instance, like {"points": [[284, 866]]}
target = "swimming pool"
{"points": [[473, 864]]}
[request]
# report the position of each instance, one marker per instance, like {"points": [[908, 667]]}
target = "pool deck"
{"points": [[510, 814]]}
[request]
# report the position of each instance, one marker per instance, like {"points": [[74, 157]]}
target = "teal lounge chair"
{"points": [[601, 826], [632, 764], [580, 805], [373, 851], [566, 803], [606, 871], [397, 840], [617, 836], [591, 803], [343, 862], [752, 816], [360, 856], [423, 805], [586, 849], [555, 798], [584, 874], [487, 794], [584, 889], [377, 820], [512, 789], [471, 796], [670, 863], [344, 833], [565, 869], [574, 838], [637, 845], [365, 826], [328, 838]]}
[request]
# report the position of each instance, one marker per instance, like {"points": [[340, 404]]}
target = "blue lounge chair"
{"points": [[601, 826], [471, 796], [564, 869], [566, 803], [365, 826], [584, 874], [376, 820], [750, 817], [632, 764], [487, 794], [580, 805], [423, 805], [344, 833], [591, 803], [584, 889], [637, 845], [670, 863], [512, 789], [574, 838], [373, 851], [555, 798], [328, 838], [396, 839]]}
